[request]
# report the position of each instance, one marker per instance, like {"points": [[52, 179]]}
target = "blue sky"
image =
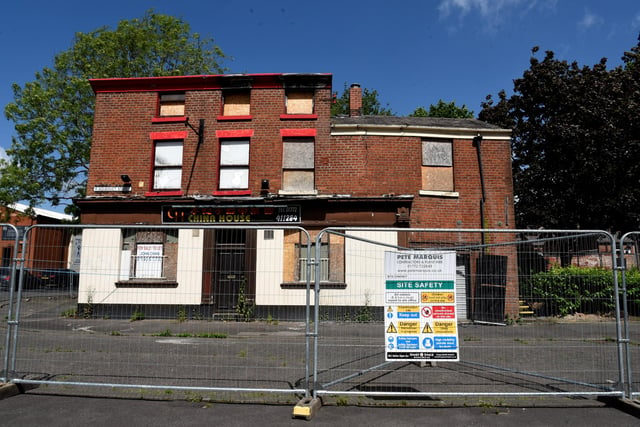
{"points": [[413, 52]]}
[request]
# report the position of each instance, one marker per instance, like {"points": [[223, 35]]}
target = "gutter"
{"points": [[477, 141]]}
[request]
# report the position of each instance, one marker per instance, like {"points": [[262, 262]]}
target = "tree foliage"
{"points": [[576, 141], [53, 114], [371, 105], [444, 109]]}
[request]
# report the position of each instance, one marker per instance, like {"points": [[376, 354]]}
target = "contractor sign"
{"points": [[420, 306]]}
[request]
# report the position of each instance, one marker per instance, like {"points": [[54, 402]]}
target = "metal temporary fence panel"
{"points": [[11, 236], [212, 310], [539, 318], [629, 257]]}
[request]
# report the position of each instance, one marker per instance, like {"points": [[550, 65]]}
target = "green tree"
{"points": [[53, 115], [444, 109], [371, 105], [575, 144]]}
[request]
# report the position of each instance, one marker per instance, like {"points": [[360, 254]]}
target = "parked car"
{"points": [[30, 281], [58, 278]]}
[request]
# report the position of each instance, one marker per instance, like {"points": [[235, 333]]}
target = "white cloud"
{"points": [[590, 20], [3, 154], [635, 22], [492, 12], [486, 8]]}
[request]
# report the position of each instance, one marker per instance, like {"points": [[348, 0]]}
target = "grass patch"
{"points": [[137, 315], [70, 313], [168, 333]]}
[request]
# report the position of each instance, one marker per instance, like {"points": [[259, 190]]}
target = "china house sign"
{"points": [[217, 214]]}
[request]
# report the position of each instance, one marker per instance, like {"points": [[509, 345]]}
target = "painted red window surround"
{"points": [[168, 135], [154, 136], [163, 193], [232, 193], [230, 118], [234, 133], [298, 116], [173, 119], [297, 132]]}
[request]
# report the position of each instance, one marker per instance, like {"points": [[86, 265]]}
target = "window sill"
{"points": [[146, 283], [232, 193], [234, 118], [171, 119], [298, 192], [163, 193], [298, 116], [447, 194], [303, 285]]}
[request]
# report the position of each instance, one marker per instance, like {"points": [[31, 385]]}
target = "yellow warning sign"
{"points": [[444, 327], [437, 297], [427, 329], [392, 329], [408, 308], [390, 309], [408, 327]]}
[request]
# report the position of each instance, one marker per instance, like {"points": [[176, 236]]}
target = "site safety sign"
{"points": [[420, 306]]}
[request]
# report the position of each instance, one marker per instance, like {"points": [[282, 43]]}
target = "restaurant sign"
{"points": [[230, 214]]}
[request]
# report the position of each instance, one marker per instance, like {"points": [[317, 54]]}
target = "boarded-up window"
{"points": [[236, 104], [171, 104], [437, 165], [298, 164], [332, 257], [299, 102], [234, 164]]}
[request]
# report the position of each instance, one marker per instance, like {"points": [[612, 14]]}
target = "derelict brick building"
{"points": [[263, 148]]}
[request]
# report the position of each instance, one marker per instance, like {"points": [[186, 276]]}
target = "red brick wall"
{"points": [[360, 166], [378, 165], [123, 122]]}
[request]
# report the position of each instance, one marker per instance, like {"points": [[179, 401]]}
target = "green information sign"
{"points": [[420, 284]]}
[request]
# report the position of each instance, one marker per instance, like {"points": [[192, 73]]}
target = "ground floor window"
{"points": [[299, 260], [148, 254]]}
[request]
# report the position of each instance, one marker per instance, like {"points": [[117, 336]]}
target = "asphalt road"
{"points": [[34, 409], [259, 354]]}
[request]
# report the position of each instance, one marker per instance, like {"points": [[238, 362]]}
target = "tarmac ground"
{"points": [[75, 349], [31, 408]]}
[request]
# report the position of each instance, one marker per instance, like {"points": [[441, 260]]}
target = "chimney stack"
{"points": [[355, 100]]}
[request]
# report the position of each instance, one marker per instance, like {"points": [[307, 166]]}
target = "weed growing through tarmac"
{"points": [[182, 314], [137, 315], [168, 333], [70, 313]]}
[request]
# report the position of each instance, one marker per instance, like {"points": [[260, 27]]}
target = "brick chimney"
{"points": [[355, 100]]}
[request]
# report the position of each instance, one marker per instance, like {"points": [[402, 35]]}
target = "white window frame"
{"points": [[167, 165], [234, 164]]}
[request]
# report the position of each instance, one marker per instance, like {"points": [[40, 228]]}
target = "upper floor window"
{"points": [[171, 104], [167, 166], [8, 233], [234, 164], [298, 165], [236, 103], [437, 165], [299, 102]]}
